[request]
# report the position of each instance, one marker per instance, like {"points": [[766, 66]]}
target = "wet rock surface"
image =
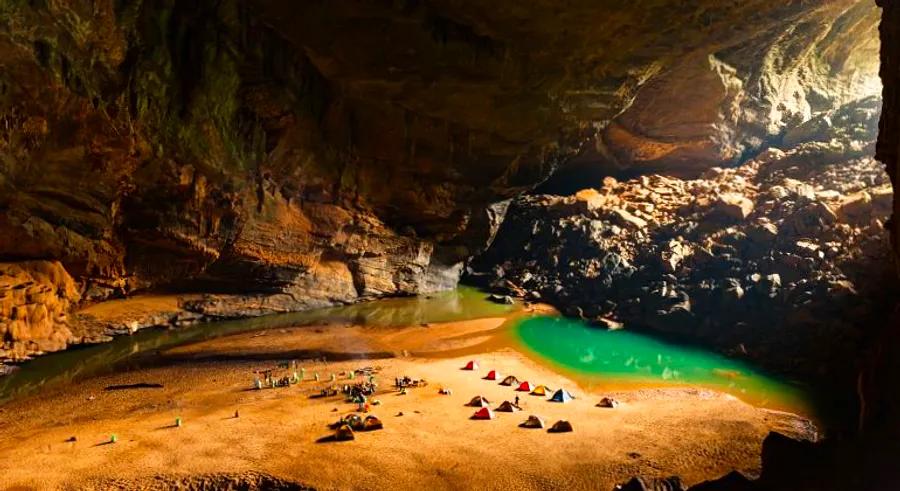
{"points": [[779, 260]]}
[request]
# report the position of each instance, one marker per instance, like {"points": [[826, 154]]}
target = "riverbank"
{"points": [[105, 321], [433, 444]]}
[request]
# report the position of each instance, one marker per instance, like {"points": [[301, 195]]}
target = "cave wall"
{"points": [[721, 108], [888, 147], [153, 142], [878, 375], [310, 153]]}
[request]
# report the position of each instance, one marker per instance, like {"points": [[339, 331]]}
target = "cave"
{"points": [[232, 232]]}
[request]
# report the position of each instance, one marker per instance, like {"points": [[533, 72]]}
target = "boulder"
{"points": [[763, 232], [734, 205], [628, 220]]}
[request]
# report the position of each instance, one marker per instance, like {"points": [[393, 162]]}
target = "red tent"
{"points": [[483, 413], [472, 365], [492, 375], [525, 387]]}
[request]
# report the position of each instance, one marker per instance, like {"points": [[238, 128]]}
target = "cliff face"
{"points": [[743, 98], [307, 153]]}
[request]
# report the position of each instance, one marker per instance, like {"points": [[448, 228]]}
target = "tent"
{"points": [[525, 387], [344, 433], [541, 390], [472, 365], [372, 423], [354, 421], [478, 401], [608, 402], [533, 422], [508, 407], [492, 375], [561, 426], [510, 380], [483, 413], [561, 396]]}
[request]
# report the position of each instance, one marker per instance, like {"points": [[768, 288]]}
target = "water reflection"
{"points": [[85, 361]]}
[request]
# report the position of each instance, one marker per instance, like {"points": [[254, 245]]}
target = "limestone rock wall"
{"points": [[35, 299], [721, 107]]}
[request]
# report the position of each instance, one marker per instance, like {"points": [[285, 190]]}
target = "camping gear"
{"points": [[508, 407], [541, 390], [472, 365], [533, 422], [608, 402], [353, 420], [178, 422], [478, 401], [510, 380], [525, 387], [561, 396], [492, 375], [372, 423], [344, 433], [561, 426], [483, 413]]}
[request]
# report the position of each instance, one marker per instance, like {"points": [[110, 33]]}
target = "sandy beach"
{"points": [[696, 434]]}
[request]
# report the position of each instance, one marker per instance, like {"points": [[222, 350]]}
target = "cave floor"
{"points": [[696, 434]]}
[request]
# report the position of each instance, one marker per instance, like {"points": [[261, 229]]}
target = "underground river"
{"points": [[595, 358]]}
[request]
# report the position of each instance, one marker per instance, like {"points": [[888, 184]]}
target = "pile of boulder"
{"points": [[772, 260]]}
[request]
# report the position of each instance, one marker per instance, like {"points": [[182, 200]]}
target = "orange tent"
{"points": [[483, 413], [525, 387], [472, 365], [492, 375]]}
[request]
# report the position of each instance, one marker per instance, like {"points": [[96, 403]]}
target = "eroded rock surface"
{"points": [[35, 299]]}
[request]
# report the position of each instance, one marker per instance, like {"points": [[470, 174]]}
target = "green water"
{"points": [[593, 356], [81, 362], [599, 357]]}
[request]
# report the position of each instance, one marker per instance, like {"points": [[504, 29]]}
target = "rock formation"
{"points": [[746, 97], [291, 155], [776, 260], [35, 298]]}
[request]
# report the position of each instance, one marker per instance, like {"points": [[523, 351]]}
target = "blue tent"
{"points": [[561, 396]]}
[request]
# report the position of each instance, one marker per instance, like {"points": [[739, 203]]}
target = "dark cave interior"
{"points": [[720, 173]]}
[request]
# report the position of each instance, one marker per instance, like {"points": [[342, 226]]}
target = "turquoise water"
{"points": [[594, 357], [599, 357]]}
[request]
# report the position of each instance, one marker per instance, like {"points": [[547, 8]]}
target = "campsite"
{"points": [[425, 438]]}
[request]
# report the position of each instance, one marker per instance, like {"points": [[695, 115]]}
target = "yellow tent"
{"points": [[541, 390]]}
